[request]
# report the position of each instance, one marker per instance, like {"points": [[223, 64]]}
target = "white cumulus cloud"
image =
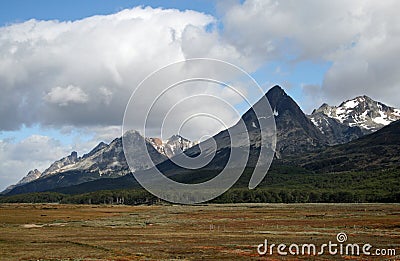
{"points": [[360, 38], [64, 96], [85, 70]]}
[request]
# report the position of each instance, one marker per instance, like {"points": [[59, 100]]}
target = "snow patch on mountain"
{"points": [[61, 164], [318, 124], [350, 104]]}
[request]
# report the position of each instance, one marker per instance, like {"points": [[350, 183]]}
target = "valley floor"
{"points": [[104, 232]]}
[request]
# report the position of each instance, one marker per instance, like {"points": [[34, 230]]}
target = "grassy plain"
{"points": [[204, 232]]}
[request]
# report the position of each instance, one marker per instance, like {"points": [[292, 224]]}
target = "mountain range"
{"points": [[331, 138], [362, 112], [352, 118], [104, 160]]}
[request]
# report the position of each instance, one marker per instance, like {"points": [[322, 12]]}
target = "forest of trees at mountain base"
{"points": [[283, 186], [238, 195]]}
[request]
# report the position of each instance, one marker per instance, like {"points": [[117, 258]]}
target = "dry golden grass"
{"points": [[222, 232]]}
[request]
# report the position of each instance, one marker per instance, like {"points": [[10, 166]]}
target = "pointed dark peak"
{"points": [[276, 91], [295, 132], [324, 105], [101, 144], [280, 101], [99, 147], [324, 108], [74, 155], [366, 97], [277, 88], [131, 135]]}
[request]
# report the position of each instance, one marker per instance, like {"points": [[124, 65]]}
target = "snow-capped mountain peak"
{"points": [[59, 164], [108, 160], [362, 111], [31, 176], [172, 146]]}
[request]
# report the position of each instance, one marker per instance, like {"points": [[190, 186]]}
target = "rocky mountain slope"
{"points": [[334, 131], [59, 165], [296, 134], [378, 150], [172, 146], [353, 118], [103, 161], [295, 131], [31, 176], [106, 160]]}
